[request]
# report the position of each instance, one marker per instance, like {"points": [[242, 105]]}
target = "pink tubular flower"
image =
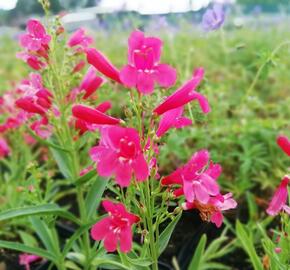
{"points": [[42, 128], [35, 98], [36, 36], [93, 116], [172, 119], [197, 183], [212, 211], [102, 64], [31, 60], [84, 126], [184, 95], [143, 68], [4, 148], [27, 259], [116, 229], [79, 66], [284, 144], [91, 82], [79, 38], [279, 199], [119, 153]]}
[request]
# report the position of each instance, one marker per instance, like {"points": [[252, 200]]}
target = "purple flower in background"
{"points": [[213, 18]]}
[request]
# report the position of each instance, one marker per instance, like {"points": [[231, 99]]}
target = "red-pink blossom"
{"points": [[84, 126], [93, 116], [32, 60], [79, 38], [35, 97], [42, 128], [279, 200], [172, 119], [284, 144], [212, 210], [116, 229], [36, 36], [26, 259], [79, 66], [91, 82], [119, 153], [102, 64], [197, 182], [184, 95], [144, 68], [4, 148]]}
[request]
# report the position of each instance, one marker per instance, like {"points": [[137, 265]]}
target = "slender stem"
{"points": [[258, 74]]}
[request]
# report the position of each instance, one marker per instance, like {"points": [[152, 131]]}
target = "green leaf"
{"points": [[196, 262], [95, 195], [166, 234], [45, 209], [63, 162], [85, 178], [248, 246], [27, 239], [109, 261], [43, 233], [27, 249]]}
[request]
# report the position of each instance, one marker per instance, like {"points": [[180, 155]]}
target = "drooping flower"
{"points": [[212, 211], [79, 38], [4, 148], [172, 119], [119, 153], [116, 229], [284, 144], [36, 36], [197, 182], [93, 116], [32, 60], [35, 97], [26, 259], [91, 82], [79, 66], [84, 126], [102, 64], [184, 95], [213, 18], [279, 200], [42, 128], [143, 69]]}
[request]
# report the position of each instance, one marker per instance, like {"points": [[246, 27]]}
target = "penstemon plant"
{"points": [[60, 109]]}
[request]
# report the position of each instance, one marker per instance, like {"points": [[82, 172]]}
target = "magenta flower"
{"points": [[35, 98], [90, 83], [172, 119], [213, 18], [36, 36], [79, 38], [102, 64], [197, 182], [31, 60], [116, 229], [279, 200], [184, 95], [212, 211], [42, 128], [284, 144], [79, 66], [119, 153], [84, 126], [93, 116], [27, 259], [143, 69], [4, 148]]}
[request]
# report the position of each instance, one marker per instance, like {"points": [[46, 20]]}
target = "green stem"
{"points": [[258, 74]]}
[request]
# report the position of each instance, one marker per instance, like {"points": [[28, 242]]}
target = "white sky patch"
{"points": [[7, 4]]}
